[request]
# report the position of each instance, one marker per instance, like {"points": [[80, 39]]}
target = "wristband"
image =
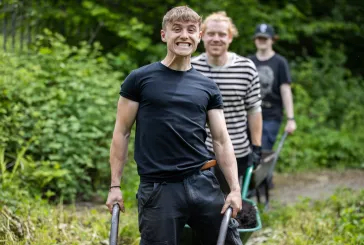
{"points": [[290, 118], [114, 186]]}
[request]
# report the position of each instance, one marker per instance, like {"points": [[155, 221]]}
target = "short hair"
{"points": [[181, 13], [221, 16]]}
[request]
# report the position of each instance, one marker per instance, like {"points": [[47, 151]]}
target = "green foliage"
{"points": [[338, 220], [20, 175], [328, 105], [64, 99], [39, 223], [25, 217], [62, 96]]}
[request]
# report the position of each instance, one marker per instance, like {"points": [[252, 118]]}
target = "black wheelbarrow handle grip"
{"points": [[114, 225], [224, 226]]}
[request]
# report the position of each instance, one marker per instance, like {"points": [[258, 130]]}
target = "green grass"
{"points": [[338, 220], [45, 224]]}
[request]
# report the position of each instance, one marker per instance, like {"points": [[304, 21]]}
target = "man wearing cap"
{"points": [[275, 85]]}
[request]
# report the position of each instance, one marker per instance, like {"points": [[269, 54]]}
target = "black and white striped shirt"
{"points": [[239, 84]]}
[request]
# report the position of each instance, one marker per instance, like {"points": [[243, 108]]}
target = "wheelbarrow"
{"points": [[262, 175], [188, 237]]}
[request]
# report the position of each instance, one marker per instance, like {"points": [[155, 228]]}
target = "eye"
{"points": [[222, 34]]}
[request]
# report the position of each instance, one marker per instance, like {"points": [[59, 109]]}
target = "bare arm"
{"points": [[225, 155], [126, 114], [287, 100], [255, 127]]}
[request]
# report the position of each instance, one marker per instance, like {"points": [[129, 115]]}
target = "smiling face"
{"points": [[217, 38], [181, 37]]}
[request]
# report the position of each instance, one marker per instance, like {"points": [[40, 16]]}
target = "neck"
{"points": [[178, 63], [217, 60], [265, 54]]}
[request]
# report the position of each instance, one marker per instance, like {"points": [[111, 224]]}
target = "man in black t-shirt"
{"points": [[171, 103], [275, 86]]}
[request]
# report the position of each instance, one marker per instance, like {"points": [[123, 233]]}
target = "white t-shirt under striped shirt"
{"points": [[239, 84]]}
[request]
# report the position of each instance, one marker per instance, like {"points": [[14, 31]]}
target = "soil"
{"points": [[247, 216]]}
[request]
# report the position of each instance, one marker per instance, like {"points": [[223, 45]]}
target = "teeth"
{"points": [[183, 45]]}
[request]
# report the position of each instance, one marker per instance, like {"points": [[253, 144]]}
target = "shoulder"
{"points": [[200, 60], [147, 68], [252, 57], [245, 62], [280, 58], [201, 79]]}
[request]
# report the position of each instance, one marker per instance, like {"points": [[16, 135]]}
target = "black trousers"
{"points": [[165, 208]]}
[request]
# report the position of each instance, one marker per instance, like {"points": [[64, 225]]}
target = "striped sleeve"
{"points": [[252, 97]]}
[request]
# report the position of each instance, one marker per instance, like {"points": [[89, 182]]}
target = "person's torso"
{"points": [[170, 130], [233, 80], [269, 77]]}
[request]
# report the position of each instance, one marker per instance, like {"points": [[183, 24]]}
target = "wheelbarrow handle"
{"points": [[278, 151], [224, 226], [114, 224]]}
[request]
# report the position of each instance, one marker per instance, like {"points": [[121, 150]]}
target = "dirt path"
{"points": [[319, 185], [314, 185]]}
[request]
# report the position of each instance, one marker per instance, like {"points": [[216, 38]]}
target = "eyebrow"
{"points": [[181, 24]]}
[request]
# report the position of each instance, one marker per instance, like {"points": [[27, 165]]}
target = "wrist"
{"points": [[114, 188], [256, 149], [235, 189]]}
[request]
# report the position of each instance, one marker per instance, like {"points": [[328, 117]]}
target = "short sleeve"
{"points": [[130, 89], [215, 101], [284, 74]]}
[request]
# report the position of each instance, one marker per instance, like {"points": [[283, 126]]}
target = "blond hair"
{"points": [[181, 13], [221, 16]]}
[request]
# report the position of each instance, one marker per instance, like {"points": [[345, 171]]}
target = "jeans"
{"points": [[270, 132], [165, 208]]}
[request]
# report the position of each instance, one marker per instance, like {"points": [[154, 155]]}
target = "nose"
{"points": [[184, 34], [215, 37]]}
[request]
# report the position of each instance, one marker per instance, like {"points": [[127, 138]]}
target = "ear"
{"points": [[230, 38], [163, 36], [199, 37]]}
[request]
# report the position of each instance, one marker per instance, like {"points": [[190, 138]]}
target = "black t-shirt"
{"points": [[272, 74], [170, 123]]}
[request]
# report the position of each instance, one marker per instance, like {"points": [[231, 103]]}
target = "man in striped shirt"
{"points": [[238, 81]]}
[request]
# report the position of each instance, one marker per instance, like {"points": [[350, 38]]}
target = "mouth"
{"points": [[183, 45]]}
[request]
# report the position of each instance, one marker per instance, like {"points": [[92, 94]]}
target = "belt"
{"points": [[209, 164]]}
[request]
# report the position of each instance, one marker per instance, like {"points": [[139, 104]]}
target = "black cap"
{"points": [[264, 30]]}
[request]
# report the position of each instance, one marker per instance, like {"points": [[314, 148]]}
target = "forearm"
{"points": [[255, 127], [287, 100], [118, 157], [225, 157]]}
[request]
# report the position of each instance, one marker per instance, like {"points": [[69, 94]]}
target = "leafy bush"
{"points": [[64, 99], [329, 113]]}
